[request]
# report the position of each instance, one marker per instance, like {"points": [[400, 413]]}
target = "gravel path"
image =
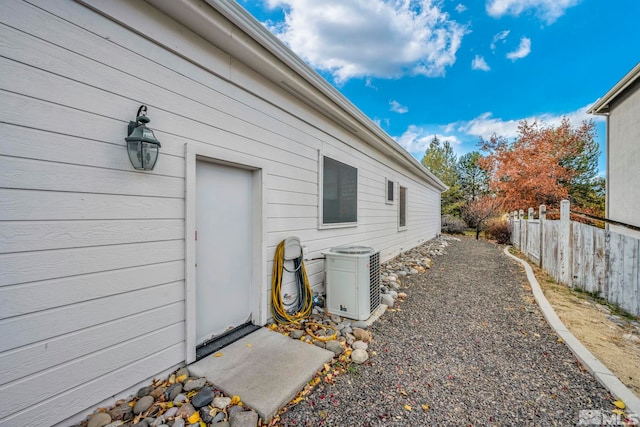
{"points": [[470, 343]]}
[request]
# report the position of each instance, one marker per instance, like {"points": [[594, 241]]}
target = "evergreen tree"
{"points": [[441, 160], [472, 178]]}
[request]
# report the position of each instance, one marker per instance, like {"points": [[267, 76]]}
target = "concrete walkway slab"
{"points": [[265, 368]]}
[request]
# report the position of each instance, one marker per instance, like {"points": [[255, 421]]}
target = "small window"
{"points": [[339, 192], [390, 191], [402, 218]]}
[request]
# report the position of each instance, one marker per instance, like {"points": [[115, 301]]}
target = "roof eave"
{"points": [[235, 13], [601, 106]]}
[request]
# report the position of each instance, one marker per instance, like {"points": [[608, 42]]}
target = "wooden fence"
{"points": [[581, 256]]}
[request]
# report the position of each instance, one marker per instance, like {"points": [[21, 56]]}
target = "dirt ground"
{"points": [[587, 320]]}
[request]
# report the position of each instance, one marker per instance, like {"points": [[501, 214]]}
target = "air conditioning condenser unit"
{"points": [[352, 281]]}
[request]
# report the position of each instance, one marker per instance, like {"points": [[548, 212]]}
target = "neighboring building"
{"points": [[621, 106], [99, 288]]}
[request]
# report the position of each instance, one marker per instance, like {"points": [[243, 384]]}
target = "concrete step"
{"points": [[265, 368]]}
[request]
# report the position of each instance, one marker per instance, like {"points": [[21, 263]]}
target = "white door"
{"points": [[224, 198]]}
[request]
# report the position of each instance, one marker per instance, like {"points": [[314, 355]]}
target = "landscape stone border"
{"points": [[586, 358]]}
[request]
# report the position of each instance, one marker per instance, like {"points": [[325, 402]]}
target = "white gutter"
{"points": [[601, 106]]}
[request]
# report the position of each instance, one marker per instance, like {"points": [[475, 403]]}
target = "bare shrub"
{"points": [[499, 230], [453, 225]]}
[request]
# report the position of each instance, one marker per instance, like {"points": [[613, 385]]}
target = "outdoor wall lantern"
{"points": [[142, 145]]}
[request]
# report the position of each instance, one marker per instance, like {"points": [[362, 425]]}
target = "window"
{"points": [[339, 192], [402, 218], [390, 190]]}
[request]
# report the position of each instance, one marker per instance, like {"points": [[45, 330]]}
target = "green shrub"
{"points": [[453, 225], [499, 230]]}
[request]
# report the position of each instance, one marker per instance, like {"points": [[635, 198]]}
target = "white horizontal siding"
{"points": [[24, 267], [91, 247], [19, 299], [30, 328], [27, 205], [79, 398], [24, 236], [53, 147], [45, 354], [66, 376]]}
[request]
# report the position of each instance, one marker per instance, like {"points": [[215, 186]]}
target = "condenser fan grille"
{"points": [[352, 250], [374, 281]]}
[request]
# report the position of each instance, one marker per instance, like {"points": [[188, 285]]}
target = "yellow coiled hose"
{"points": [[302, 310]]}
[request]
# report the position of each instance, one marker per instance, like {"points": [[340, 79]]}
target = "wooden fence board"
{"points": [[550, 250], [600, 262]]}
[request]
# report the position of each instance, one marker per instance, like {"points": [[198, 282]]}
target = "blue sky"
{"points": [[462, 69]]}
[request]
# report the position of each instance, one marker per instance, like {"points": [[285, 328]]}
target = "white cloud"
{"points": [[523, 49], [547, 10], [416, 140], [500, 37], [397, 107], [479, 63], [368, 82], [361, 38], [486, 125], [461, 8]]}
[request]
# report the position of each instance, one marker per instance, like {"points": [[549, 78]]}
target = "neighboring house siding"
{"points": [[92, 252], [624, 160]]}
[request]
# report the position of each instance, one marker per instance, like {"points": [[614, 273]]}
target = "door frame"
{"points": [[193, 153]]}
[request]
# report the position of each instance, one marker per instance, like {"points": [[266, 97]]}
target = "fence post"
{"points": [[565, 243], [515, 218], [529, 236], [542, 213], [522, 229]]}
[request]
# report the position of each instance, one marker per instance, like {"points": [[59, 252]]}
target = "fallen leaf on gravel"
{"points": [[235, 400], [425, 407], [181, 378], [218, 354], [194, 418], [618, 411], [536, 335], [620, 404], [407, 407], [560, 340], [404, 393]]}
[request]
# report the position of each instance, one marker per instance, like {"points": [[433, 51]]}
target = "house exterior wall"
{"points": [[623, 171], [92, 255]]}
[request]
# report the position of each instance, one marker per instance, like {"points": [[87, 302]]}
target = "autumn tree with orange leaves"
{"points": [[543, 165]]}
